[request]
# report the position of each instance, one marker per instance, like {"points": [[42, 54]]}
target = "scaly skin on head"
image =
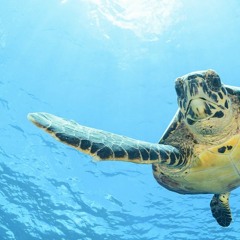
{"points": [[205, 105]]}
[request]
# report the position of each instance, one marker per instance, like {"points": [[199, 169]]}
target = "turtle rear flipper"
{"points": [[221, 209], [104, 145]]}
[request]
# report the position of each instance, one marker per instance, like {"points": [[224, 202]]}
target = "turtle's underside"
{"points": [[198, 153]]}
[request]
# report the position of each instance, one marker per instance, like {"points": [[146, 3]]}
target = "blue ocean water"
{"points": [[109, 65]]}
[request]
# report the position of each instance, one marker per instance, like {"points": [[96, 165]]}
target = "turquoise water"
{"points": [[109, 65]]}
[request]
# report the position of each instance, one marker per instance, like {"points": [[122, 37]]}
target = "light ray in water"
{"points": [[148, 19]]}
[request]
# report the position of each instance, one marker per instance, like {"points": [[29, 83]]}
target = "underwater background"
{"points": [[109, 65]]}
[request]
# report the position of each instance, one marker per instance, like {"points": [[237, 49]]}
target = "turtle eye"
{"points": [[179, 88], [214, 82]]}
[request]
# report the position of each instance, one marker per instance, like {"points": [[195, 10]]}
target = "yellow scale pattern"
{"points": [[217, 169]]}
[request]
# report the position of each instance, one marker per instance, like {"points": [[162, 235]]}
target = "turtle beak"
{"points": [[198, 109]]}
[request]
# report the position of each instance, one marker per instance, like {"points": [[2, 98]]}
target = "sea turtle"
{"points": [[199, 153]]}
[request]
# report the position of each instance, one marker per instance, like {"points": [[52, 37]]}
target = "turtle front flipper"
{"points": [[221, 209], [104, 145]]}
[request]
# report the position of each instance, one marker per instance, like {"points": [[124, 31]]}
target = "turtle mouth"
{"points": [[200, 109], [201, 101]]}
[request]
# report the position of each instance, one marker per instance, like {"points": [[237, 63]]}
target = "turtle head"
{"points": [[203, 102]]}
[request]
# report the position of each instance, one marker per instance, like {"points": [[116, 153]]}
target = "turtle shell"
{"points": [[213, 164]]}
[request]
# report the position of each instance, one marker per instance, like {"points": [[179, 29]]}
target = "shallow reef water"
{"points": [[109, 65]]}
